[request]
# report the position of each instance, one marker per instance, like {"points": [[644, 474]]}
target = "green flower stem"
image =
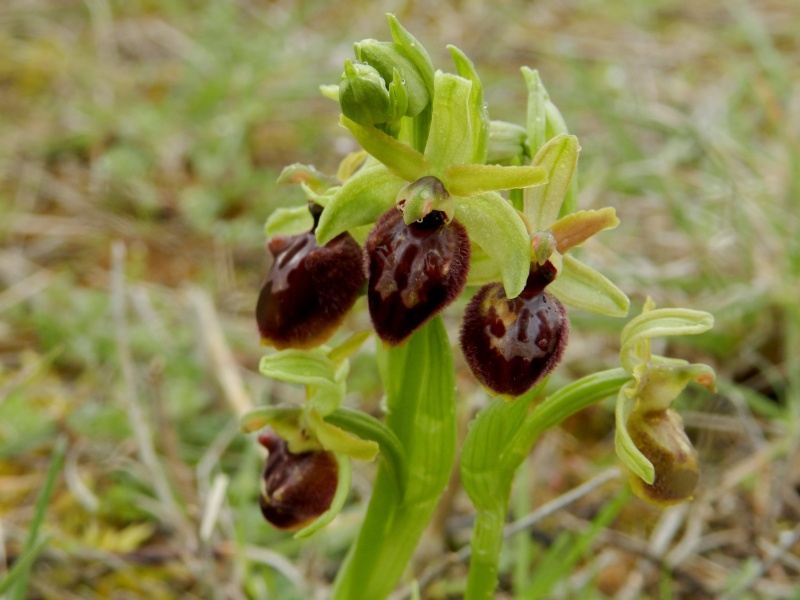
{"points": [[490, 519], [487, 541], [420, 395]]}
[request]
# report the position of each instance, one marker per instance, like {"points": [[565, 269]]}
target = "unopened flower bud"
{"points": [[364, 95], [296, 488], [511, 344], [660, 436], [391, 60]]}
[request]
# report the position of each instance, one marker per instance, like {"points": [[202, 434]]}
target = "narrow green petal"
{"points": [[494, 225], [559, 158], [267, 415], [581, 286], [658, 323], [471, 180], [337, 504], [575, 228], [360, 201], [626, 449], [399, 158]]}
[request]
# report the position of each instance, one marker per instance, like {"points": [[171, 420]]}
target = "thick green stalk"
{"points": [[420, 396], [487, 541], [490, 490]]}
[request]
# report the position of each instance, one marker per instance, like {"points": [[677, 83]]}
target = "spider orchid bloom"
{"points": [[307, 474], [650, 438], [309, 288], [511, 344]]}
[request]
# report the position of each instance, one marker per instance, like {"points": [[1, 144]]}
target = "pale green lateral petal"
{"points": [[581, 286], [494, 224], [267, 415], [330, 91], [479, 113], [626, 449], [559, 158], [360, 201], [471, 180], [454, 131], [339, 498], [288, 221], [658, 323], [399, 158]]}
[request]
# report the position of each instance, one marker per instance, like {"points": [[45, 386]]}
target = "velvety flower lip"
{"points": [[414, 271], [296, 488], [511, 344], [309, 288]]}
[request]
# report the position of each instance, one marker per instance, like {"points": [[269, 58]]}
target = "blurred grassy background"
{"points": [[139, 145]]}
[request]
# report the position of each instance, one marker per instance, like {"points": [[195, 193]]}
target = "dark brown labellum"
{"points": [[510, 345], [660, 436], [414, 271], [309, 289], [296, 488]]}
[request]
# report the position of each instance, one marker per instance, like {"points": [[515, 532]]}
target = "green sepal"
{"points": [[368, 427], [536, 117], [415, 51], [336, 439], [581, 286], [627, 451], [391, 60], [482, 269], [636, 335], [312, 368], [299, 173], [479, 114], [351, 164], [364, 95], [454, 134], [474, 179], [288, 221], [339, 498], [361, 200], [559, 158], [494, 225], [399, 158]]}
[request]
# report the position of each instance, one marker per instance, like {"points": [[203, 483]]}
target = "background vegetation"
{"points": [[139, 145]]}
